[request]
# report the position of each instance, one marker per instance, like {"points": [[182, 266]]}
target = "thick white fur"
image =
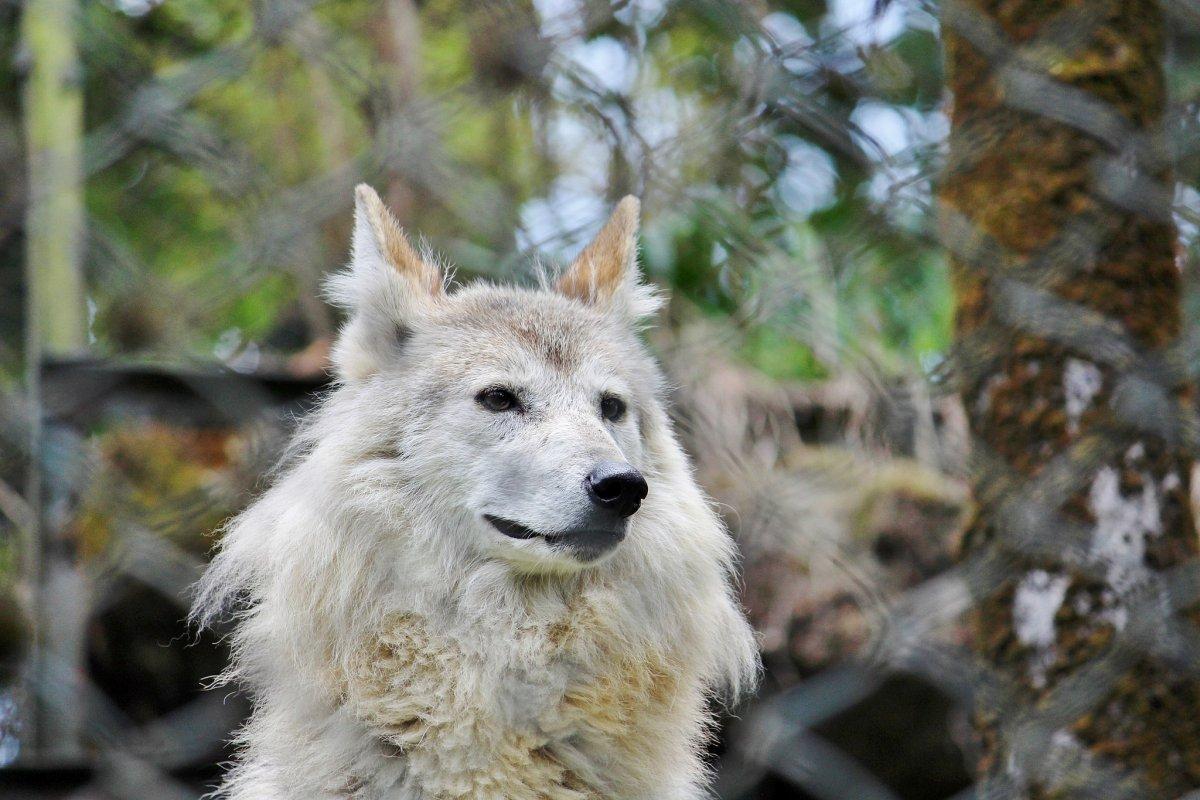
{"points": [[398, 647]]}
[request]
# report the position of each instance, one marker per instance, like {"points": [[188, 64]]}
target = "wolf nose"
{"points": [[616, 486]]}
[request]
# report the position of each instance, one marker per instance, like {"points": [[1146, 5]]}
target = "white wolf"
{"points": [[487, 571]]}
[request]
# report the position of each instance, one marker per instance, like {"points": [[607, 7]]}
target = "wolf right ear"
{"points": [[388, 287], [605, 275]]}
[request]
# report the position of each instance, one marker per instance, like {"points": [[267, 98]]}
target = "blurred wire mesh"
{"points": [[787, 155]]}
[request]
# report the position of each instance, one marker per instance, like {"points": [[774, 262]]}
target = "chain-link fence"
{"points": [[1005, 581]]}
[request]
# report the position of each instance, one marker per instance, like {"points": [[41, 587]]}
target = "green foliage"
{"points": [[761, 212]]}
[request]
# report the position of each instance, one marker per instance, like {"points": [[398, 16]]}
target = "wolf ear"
{"points": [[606, 274], [388, 288]]}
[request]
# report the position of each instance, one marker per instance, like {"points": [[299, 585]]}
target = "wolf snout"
{"points": [[616, 486]]}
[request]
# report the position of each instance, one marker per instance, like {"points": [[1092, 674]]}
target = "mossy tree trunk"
{"points": [[1048, 99], [54, 229]]}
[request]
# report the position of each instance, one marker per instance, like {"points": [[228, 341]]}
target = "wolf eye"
{"points": [[612, 408], [497, 399]]}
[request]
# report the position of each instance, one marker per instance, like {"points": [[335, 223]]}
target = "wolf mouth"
{"points": [[514, 530], [586, 543]]}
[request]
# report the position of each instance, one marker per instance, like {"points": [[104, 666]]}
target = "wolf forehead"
{"points": [[562, 333]]}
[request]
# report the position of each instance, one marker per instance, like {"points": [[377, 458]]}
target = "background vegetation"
{"points": [[799, 136]]}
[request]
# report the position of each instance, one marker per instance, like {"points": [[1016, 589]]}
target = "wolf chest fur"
{"points": [[485, 570]]}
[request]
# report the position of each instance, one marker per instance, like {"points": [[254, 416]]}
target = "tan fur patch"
{"points": [[556, 352], [645, 705], [639, 706], [404, 687]]}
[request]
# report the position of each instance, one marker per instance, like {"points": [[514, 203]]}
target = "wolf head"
{"points": [[488, 455], [519, 414]]}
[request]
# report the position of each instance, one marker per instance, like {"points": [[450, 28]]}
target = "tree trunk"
{"points": [[1068, 292], [56, 323]]}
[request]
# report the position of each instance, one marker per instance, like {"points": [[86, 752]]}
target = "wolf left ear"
{"points": [[606, 274], [388, 288]]}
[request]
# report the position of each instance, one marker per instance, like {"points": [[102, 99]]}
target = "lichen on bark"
{"points": [[1024, 181]]}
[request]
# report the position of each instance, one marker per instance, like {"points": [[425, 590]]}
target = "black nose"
{"points": [[616, 486]]}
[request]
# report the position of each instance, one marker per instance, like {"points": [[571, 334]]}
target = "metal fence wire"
{"points": [[1041, 625]]}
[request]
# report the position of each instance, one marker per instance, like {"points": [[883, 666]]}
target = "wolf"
{"points": [[485, 569]]}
